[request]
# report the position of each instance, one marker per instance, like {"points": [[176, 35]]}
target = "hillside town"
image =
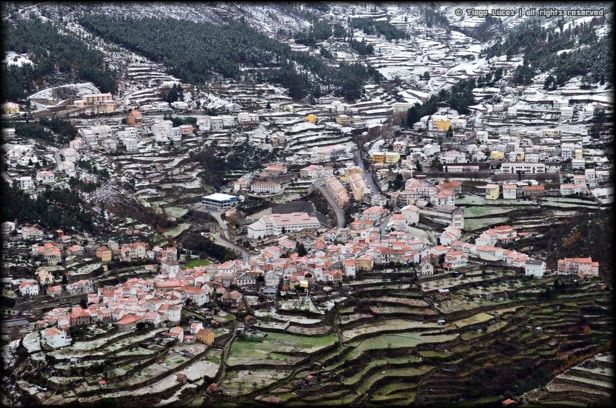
{"points": [[440, 238]]}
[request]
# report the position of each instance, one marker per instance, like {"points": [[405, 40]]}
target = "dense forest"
{"points": [[217, 161], [377, 27], [53, 208], [206, 248], [51, 53], [540, 45], [54, 131], [458, 97], [320, 30], [582, 235], [362, 47], [208, 48], [193, 50], [432, 17]]}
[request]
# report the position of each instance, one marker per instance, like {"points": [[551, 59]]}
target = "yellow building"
{"points": [[441, 124], [206, 336], [365, 263], [10, 108], [104, 253], [497, 155], [578, 154], [350, 172], [311, 118], [392, 157], [492, 191], [378, 157]]}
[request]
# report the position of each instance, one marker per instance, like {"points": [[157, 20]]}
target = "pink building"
{"points": [[582, 266]]}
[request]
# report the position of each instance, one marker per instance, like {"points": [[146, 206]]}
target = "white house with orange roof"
{"points": [[80, 286], [177, 332], [374, 213], [31, 233], [349, 268], [443, 197], [49, 251], [411, 214], [29, 287], [104, 253], [449, 235], [55, 338], [509, 191], [455, 259], [54, 291], [274, 169], [198, 296]]}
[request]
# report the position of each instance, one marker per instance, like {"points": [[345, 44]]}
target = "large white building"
{"points": [[268, 187], [220, 200], [316, 171], [514, 167], [276, 224]]}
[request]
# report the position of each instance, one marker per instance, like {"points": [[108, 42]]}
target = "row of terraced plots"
{"points": [[387, 338]]}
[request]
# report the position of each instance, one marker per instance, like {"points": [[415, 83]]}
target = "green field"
{"points": [[475, 224], [271, 349], [482, 211], [196, 262], [176, 231]]}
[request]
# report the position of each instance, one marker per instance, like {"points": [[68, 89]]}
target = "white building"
{"points": [[268, 187], [276, 224], [25, 183], [162, 130], [350, 268], [534, 268], [247, 118], [131, 145], [316, 171], [514, 167], [220, 200], [29, 287], [45, 177], [55, 338], [509, 191]]}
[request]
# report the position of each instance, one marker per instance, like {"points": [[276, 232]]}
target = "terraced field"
{"points": [[590, 382], [392, 344]]}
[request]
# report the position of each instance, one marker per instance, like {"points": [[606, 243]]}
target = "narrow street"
{"points": [[368, 177], [318, 184]]}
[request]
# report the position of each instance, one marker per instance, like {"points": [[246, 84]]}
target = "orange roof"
{"points": [[191, 289], [52, 331], [128, 319]]}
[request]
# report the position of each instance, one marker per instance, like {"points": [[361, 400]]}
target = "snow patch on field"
{"points": [[66, 91], [18, 60]]}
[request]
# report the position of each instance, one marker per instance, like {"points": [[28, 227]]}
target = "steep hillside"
{"points": [[54, 57], [583, 235]]}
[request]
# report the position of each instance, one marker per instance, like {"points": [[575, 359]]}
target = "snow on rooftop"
{"points": [[220, 197]]}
